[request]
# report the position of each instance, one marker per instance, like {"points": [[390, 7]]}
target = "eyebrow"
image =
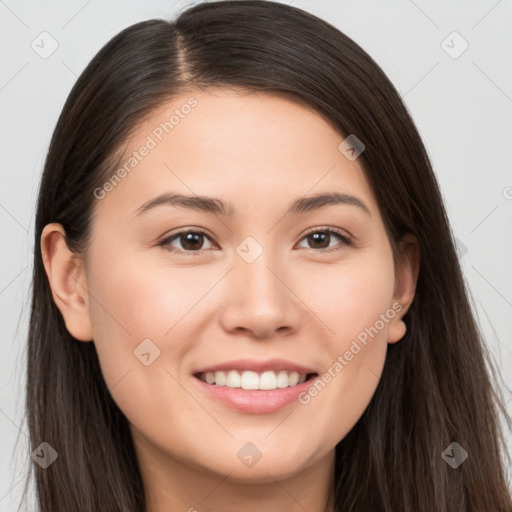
{"points": [[218, 207]]}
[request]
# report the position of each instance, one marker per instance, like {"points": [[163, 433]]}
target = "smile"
{"points": [[251, 380], [252, 392]]}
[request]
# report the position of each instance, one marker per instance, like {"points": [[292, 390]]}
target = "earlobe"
{"points": [[405, 285], [66, 276]]}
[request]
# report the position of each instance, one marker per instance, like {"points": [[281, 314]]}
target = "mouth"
{"points": [[252, 381], [254, 392], [254, 386]]}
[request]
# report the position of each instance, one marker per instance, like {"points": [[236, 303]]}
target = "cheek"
{"points": [[349, 297], [353, 305], [134, 306], [134, 309], [138, 298]]}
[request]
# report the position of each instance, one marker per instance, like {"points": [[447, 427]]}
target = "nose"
{"points": [[259, 299]]}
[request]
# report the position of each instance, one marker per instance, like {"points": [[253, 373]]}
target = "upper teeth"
{"points": [[253, 380]]}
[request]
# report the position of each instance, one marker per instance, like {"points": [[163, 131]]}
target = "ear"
{"points": [[406, 278], [68, 283]]}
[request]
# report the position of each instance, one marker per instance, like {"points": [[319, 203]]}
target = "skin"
{"points": [[259, 152]]}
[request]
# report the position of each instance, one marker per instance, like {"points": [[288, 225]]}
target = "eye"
{"points": [[190, 240], [323, 236]]}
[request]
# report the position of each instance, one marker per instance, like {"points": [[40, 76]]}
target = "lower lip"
{"points": [[255, 401]]}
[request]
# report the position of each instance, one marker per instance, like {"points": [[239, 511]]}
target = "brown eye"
{"points": [[190, 241], [322, 238]]}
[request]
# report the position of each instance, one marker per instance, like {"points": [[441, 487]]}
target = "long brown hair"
{"points": [[436, 385]]}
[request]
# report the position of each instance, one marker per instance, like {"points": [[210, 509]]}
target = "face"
{"points": [[248, 295]]}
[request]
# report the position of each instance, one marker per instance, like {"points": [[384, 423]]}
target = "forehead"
{"points": [[236, 145]]}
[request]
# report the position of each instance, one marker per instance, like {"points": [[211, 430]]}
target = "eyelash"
{"points": [[345, 240]]}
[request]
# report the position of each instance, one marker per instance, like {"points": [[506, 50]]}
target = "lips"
{"points": [[254, 401], [255, 387], [257, 366]]}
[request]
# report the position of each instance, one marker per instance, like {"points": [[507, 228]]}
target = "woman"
{"points": [[246, 293]]}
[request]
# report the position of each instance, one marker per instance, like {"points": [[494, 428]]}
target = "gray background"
{"points": [[462, 105]]}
